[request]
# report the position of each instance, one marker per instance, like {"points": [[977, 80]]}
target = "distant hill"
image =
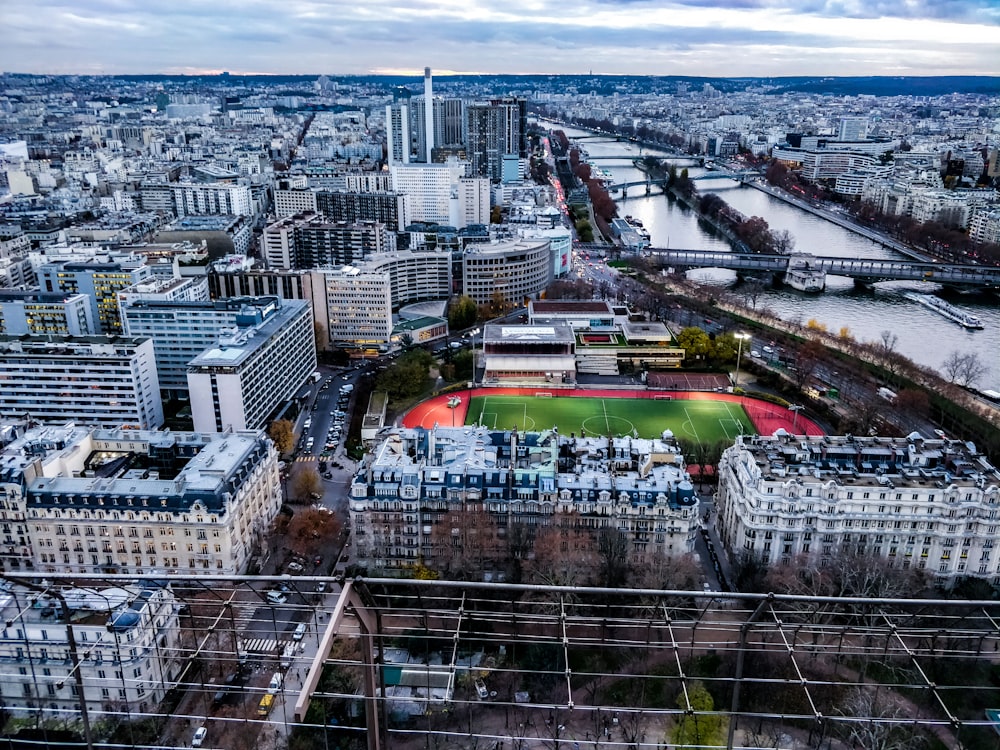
{"points": [[601, 84]]}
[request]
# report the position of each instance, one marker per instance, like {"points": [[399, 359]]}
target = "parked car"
{"points": [[199, 736], [294, 567]]}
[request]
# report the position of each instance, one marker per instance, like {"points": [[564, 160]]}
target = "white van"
{"points": [[286, 655], [275, 684], [300, 631]]}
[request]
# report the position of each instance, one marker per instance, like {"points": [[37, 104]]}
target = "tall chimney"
{"points": [[428, 112]]}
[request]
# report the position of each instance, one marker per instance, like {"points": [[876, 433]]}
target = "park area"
{"points": [[706, 418]]}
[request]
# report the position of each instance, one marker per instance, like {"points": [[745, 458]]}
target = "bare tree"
{"points": [[751, 291], [964, 369], [885, 727], [563, 556]]}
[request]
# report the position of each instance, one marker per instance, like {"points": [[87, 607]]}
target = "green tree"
{"points": [[696, 344], [698, 727], [408, 376], [724, 349], [462, 313], [464, 363], [282, 433]]}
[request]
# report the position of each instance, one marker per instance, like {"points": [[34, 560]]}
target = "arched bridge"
{"points": [[862, 270]]}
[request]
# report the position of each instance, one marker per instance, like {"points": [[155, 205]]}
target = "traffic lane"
{"points": [[273, 622]]}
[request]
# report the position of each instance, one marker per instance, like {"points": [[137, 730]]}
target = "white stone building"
{"points": [[933, 505], [125, 650], [143, 502]]}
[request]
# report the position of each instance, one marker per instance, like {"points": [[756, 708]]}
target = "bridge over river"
{"points": [[863, 271], [741, 177]]}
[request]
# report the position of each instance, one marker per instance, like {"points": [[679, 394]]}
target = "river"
{"points": [[924, 336]]}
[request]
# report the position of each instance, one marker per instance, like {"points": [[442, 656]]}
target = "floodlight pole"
{"points": [[739, 352], [795, 409]]}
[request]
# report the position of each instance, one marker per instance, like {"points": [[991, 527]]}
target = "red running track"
{"points": [[766, 417]]}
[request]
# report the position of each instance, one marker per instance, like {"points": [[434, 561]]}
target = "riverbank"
{"points": [[840, 220]]}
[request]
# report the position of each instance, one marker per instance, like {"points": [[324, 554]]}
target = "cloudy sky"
{"points": [[654, 37]]}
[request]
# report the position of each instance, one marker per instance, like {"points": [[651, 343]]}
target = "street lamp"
{"points": [[795, 409], [739, 352]]}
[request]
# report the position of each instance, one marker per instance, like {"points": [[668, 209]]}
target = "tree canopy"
{"points": [[282, 433], [462, 313]]}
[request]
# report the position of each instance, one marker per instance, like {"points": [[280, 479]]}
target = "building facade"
{"points": [[407, 499], [141, 502], [100, 280], [181, 330], [514, 269], [241, 381], [925, 504], [93, 380], [125, 647], [357, 302], [313, 241], [43, 313]]}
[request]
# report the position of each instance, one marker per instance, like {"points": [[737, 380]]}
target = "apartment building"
{"points": [[44, 313], [125, 650], [182, 329], [407, 500], [933, 505], [101, 279], [242, 380], [141, 502], [312, 241], [94, 380]]}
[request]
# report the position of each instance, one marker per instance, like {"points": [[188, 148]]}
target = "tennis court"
{"points": [[702, 421]]}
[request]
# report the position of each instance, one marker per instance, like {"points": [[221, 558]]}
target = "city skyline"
{"points": [[725, 38]]}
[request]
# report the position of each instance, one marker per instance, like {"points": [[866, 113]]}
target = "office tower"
{"points": [[428, 189], [495, 129]]}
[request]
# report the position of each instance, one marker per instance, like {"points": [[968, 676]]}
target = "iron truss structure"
{"points": [[387, 663]]}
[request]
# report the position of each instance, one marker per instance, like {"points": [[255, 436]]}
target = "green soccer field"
{"points": [[704, 421]]}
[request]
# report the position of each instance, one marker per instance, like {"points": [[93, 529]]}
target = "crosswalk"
{"points": [[304, 459], [243, 614], [260, 645]]}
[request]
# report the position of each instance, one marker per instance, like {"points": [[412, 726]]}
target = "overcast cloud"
{"points": [[643, 37]]}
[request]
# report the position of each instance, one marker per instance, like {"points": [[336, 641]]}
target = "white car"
{"points": [[199, 736]]}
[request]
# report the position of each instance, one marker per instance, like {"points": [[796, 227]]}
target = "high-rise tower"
{"points": [[428, 114]]}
